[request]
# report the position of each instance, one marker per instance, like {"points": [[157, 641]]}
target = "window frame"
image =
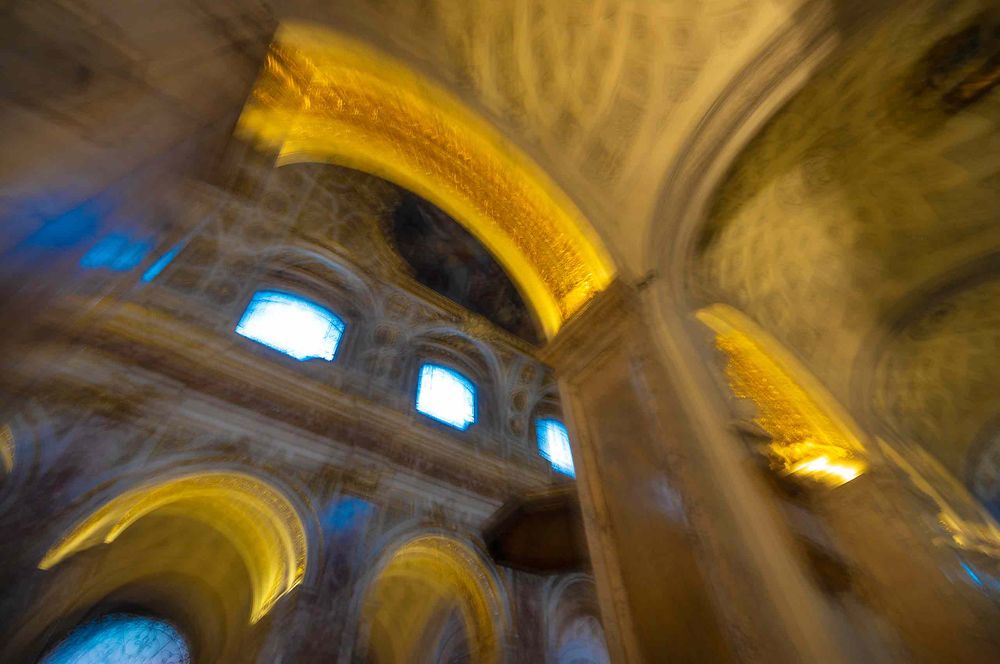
{"points": [[549, 420], [313, 303], [476, 418]]}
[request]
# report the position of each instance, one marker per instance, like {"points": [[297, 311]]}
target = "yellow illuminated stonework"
{"points": [[6, 448], [324, 97], [421, 577], [257, 519], [810, 434]]}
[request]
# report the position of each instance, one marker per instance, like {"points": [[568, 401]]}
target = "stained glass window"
{"points": [[117, 251], [122, 638], [553, 444], [291, 324], [446, 395]]}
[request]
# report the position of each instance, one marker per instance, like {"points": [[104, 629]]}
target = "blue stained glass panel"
{"points": [[161, 263], [553, 444], [122, 638], [446, 395], [291, 324], [116, 251]]}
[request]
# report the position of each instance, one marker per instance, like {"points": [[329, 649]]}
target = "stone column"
{"points": [[688, 562], [908, 572]]}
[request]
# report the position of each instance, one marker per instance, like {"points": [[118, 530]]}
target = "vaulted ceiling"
{"points": [[601, 93], [864, 191], [862, 227]]}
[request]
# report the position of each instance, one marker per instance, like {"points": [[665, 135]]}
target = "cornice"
{"points": [[602, 324], [189, 356]]}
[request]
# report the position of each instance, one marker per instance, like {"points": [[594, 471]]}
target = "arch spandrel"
{"points": [[260, 522], [324, 97]]}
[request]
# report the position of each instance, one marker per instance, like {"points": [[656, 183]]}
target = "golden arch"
{"points": [[416, 577], [811, 434], [324, 97], [254, 516]]}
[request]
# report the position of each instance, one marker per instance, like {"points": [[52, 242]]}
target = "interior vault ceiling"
{"points": [[866, 190], [601, 92]]}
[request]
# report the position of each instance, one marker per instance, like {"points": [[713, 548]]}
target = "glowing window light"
{"points": [[833, 472], [117, 251], [553, 444], [161, 263], [291, 324], [122, 639], [446, 395]]}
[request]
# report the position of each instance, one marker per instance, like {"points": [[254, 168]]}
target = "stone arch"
{"points": [[417, 591], [189, 548], [315, 101], [546, 404], [573, 628], [323, 270], [251, 514], [924, 383], [811, 434]]}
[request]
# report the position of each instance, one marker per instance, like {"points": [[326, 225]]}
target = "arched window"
{"points": [[446, 395], [553, 444], [291, 324], [122, 638]]}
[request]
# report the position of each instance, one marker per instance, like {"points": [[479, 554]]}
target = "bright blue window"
{"points": [[122, 638], [116, 251], [553, 444], [291, 324], [446, 395]]}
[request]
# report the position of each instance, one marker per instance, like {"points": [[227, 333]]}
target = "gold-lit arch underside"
{"points": [[324, 97], [442, 568], [259, 521], [811, 434]]}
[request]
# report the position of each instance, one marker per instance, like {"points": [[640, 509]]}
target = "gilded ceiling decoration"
{"points": [[323, 97], [810, 434]]}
